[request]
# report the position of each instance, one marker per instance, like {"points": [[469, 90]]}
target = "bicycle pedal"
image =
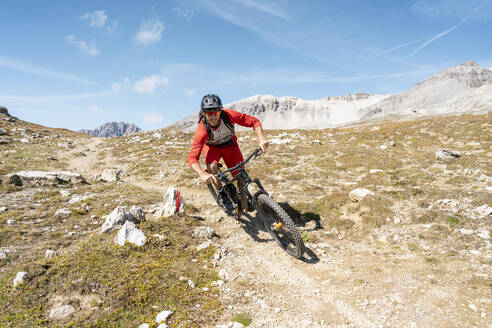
{"points": [[278, 226]]}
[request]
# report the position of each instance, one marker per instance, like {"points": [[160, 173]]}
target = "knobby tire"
{"points": [[288, 237]]}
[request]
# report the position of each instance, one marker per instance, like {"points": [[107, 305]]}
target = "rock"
{"points": [[3, 132], [191, 283], [223, 274], [79, 198], [204, 245], [19, 278], [24, 140], [466, 231], [447, 155], [375, 171], [50, 253], [485, 234], [163, 325], [61, 312], [163, 316], [449, 204], [3, 253], [358, 194], [63, 212], [4, 111], [144, 325], [3, 209], [173, 203], [204, 232], [138, 213], [109, 175], [483, 211], [41, 178], [11, 222], [64, 193], [238, 325], [130, 233], [5, 140], [117, 218]]}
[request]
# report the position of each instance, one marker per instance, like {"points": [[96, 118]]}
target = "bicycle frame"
{"points": [[243, 180]]}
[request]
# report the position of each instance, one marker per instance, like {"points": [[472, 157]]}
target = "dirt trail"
{"points": [[345, 282]]}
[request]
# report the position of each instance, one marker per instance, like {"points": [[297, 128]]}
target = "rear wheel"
{"points": [[280, 226]]}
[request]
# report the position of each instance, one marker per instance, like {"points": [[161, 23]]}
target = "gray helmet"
{"points": [[211, 103]]}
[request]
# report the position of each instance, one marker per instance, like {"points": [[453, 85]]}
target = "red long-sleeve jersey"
{"points": [[201, 134]]}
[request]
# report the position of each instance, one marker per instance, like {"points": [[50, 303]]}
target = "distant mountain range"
{"points": [[466, 88], [112, 129]]}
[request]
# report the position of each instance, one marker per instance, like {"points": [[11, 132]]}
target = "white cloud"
{"points": [[183, 12], [87, 47], [150, 32], [153, 118], [96, 18], [149, 84], [189, 92], [126, 80], [22, 66], [116, 86], [99, 19], [94, 108]]}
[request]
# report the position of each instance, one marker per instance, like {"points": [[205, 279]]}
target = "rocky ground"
{"points": [[416, 253]]}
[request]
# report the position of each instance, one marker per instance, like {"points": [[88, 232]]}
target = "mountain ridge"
{"points": [[464, 88], [112, 129]]}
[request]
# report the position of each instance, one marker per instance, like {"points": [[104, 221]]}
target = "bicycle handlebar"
{"points": [[257, 152]]}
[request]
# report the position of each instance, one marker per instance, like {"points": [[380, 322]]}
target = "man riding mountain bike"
{"points": [[215, 136]]}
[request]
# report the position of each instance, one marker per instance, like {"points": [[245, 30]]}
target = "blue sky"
{"points": [[79, 64]]}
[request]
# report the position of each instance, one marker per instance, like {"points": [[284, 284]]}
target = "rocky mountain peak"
{"points": [[3, 110], [113, 129], [469, 73]]}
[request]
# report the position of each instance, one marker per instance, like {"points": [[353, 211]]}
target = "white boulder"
{"points": [[447, 155], [358, 194], [130, 233], [163, 316], [483, 211], [109, 175], [19, 278], [50, 253], [204, 232], [173, 203], [118, 217], [61, 312], [63, 212], [204, 245], [41, 178]]}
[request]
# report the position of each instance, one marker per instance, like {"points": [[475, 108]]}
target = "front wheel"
{"points": [[279, 224]]}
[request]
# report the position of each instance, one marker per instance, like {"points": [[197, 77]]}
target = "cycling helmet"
{"points": [[211, 103]]}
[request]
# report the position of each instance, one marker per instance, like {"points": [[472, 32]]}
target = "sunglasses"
{"points": [[208, 114]]}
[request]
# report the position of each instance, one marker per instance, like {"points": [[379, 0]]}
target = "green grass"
{"points": [[130, 281], [242, 318]]}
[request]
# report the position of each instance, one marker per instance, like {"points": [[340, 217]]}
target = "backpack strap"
{"points": [[227, 121], [223, 116]]}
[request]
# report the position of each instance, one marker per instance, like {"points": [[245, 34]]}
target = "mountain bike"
{"points": [[276, 221]]}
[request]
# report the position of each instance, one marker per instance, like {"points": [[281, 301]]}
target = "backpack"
{"points": [[223, 116]]}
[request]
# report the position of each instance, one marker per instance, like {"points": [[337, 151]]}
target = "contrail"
{"points": [[448, 30], [397, 47]]}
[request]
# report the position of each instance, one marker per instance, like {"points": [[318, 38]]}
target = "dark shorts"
{"points": [[230, 153]]}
